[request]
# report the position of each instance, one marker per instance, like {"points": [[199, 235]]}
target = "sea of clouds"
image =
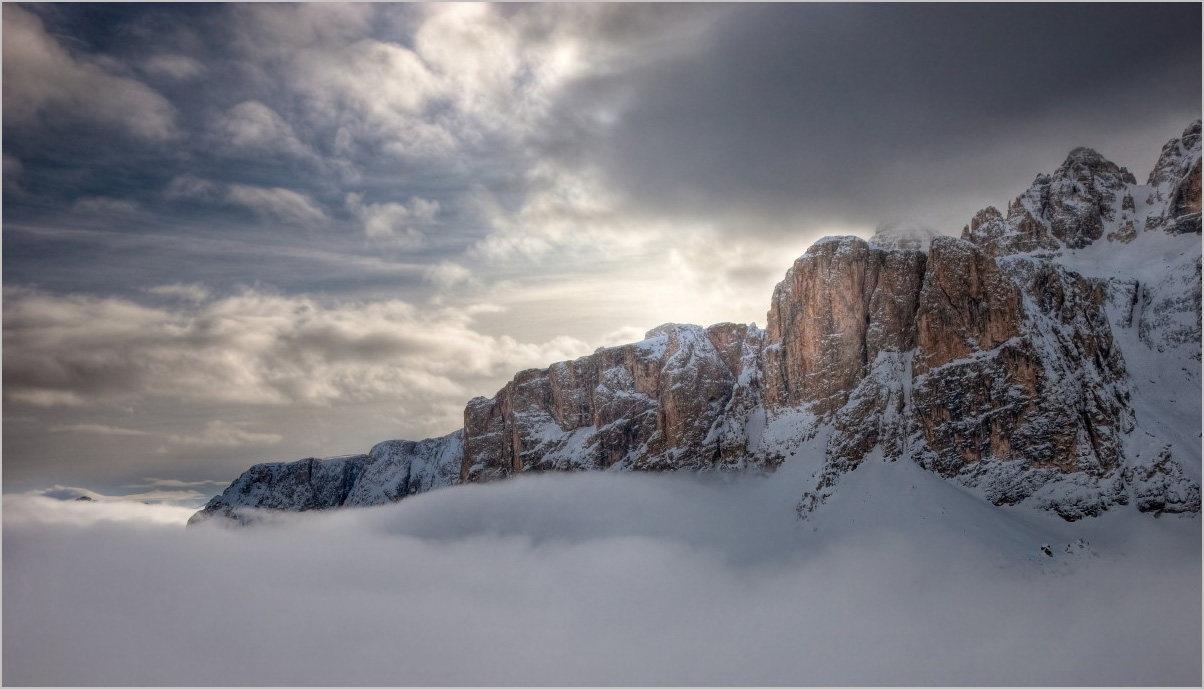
{"points": [[603, 579]]}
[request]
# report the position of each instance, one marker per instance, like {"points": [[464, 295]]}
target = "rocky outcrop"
{"points": [[389, 472], [841, 304], [1042, 396], [651, 405], [1175, 184], [994, 360], [1069, 208], [1161, 486]]}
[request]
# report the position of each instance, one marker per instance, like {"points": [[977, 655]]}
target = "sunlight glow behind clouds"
{"points": [[252, 348]]}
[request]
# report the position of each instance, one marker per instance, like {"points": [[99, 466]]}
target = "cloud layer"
{"points": [[600, 580], [252, 347]]}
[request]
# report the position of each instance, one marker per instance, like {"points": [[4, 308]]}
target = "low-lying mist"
{"points": [[604, 579]]}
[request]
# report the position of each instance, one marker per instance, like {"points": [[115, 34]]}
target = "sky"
{"points": [[241, 233]]}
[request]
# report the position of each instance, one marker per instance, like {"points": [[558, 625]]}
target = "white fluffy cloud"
{"points": [[447, 75], [151, 482], [398, 224], [41, 78], [447, 274], [253, 126], [505, 69], [562, 210], [376, 92]]}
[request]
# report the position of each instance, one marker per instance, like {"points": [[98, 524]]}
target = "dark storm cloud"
{"points": [[816, 109], [317, 148], [750, 116], [311, 127]]}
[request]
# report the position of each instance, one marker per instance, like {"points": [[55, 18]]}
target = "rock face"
{"points": [[1068, 209], [389, 472], [1175, 184], [651, 405], [1001, 360]]}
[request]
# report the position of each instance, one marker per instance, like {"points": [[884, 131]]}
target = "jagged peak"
{"points": [[1083, 163], [1190, 136], [987, 214], [1177, 157], [1083, 155], [1089, 197]]}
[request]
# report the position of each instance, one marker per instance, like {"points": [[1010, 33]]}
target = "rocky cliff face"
{"points": [[652, 405], [389, 472], [1012, 360]]}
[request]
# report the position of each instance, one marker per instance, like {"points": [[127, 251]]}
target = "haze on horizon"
{"points": [[239, 233]]}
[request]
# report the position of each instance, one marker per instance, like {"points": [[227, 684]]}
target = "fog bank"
{"points": [[606, 580]]}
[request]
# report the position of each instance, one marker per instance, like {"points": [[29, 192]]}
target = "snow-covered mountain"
{"points": [[1050, 356]]}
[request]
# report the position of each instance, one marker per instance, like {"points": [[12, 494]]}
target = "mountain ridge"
{"points": [[994, 359]]}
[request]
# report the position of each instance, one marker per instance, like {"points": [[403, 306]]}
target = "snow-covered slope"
{"points": [[1048, 357]]}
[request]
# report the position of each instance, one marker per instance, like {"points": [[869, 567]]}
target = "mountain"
{"points": [[1049, 357]]}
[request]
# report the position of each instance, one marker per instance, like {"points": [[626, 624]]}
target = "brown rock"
{"points": [[967, 305], [649, 405], [841, 304]]}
